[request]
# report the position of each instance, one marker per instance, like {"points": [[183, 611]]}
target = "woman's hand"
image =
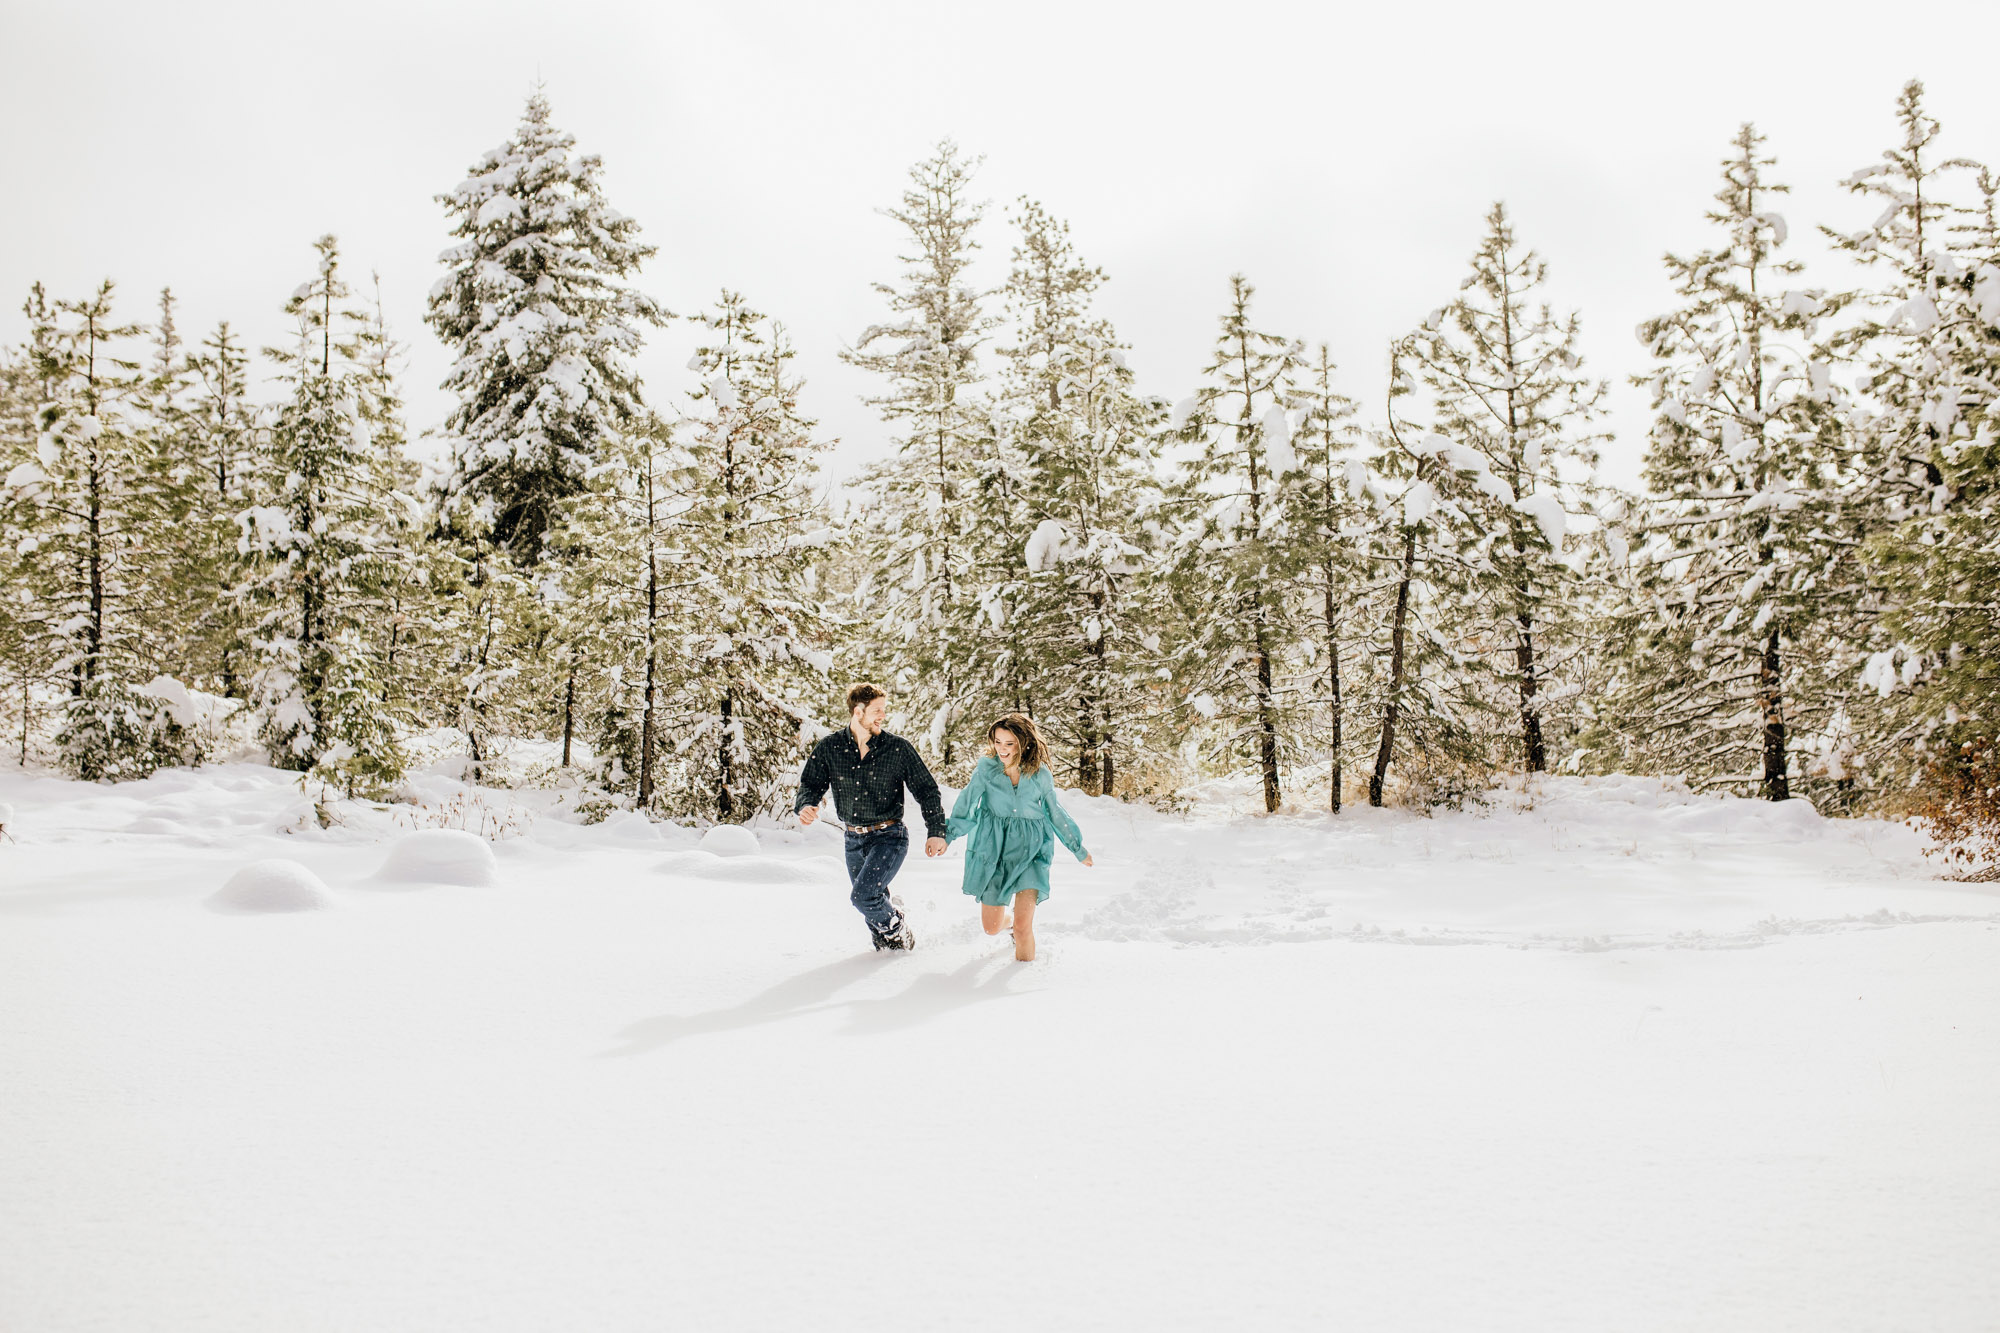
{"points": [[1090, 860]]}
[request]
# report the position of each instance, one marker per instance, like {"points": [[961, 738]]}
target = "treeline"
{"points": [[1252, 576]]}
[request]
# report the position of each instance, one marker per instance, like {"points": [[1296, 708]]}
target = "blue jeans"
{"points": [[872, 861]]}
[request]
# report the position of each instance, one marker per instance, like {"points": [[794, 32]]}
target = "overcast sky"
{"points": [[1341, 156]]}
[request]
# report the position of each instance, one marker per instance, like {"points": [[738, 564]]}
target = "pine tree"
{"points": [[1507, 390], [318, 535], [1928, 346], [756, 648], [23, 655], [1739, 562], [84, 507], [630, 587], [221, 434], [537, 313], [1068, 607], [1232, 556], [1330, 516], [923, 539], [1419, 554]]}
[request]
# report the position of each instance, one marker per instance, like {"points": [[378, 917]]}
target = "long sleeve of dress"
{"points": [[1059, 820], [965, 810]]}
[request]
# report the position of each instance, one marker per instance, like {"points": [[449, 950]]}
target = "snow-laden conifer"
{"points": [[1927, 349], [1231, 557], [1066, 593], [84, 508], [1332, 522], [629, 582], [921, 534], [537, 310], [319, 541], [1418, 540], [1518, 420], [1735, 557], [754, 653]]}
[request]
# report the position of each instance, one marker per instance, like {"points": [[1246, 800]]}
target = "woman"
{"points": [[1010, 809]]}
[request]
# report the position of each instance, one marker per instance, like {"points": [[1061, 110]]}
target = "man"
{"points": [[868, 769]]}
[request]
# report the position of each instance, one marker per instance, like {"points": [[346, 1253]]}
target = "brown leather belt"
{"points": [[871, 828]]}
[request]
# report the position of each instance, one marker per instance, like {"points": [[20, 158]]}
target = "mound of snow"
{"points": [[276, 885], [440, 856], [740, 869], [730, 840]]}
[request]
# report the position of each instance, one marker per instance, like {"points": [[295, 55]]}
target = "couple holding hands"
{"points": [[1008, 809]]}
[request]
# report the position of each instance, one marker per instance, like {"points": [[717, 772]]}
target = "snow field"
{"points": [[1692, 1065]]}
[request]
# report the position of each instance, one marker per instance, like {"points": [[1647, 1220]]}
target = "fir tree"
{"points": [[1738, 562], [1232, 556], [85, 506], [1068, 607], [1330, 518], [1928, 347], [1414, 552], [1507, 392], [319, 541], [757, 642], [630, 586], [537, 313], [923, 534]]}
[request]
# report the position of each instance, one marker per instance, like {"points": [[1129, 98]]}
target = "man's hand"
{"points": [[808, 813], [934, 847]]}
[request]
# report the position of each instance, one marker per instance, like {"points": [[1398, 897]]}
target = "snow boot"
{"points": [[897, 936]]}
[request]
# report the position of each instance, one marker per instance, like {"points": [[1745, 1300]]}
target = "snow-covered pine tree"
{"points": [[23, 656], [1508, 393], [921, 533], [1928, 348], [1331, 520], [194, 623], [754, 655], [84, 507], [537, 311], [1232, 555], [1434, 699], [1068, 607], [317, 535], [409, 558], [630, 593], [1738, 561], [221, 438]]}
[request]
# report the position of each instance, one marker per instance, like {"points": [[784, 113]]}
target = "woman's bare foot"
{"points": [[1024, 926]]}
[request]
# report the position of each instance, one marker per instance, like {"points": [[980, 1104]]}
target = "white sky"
{"points": [[1342, 156]]}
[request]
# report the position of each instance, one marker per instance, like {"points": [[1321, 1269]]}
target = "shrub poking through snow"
{"points": [[112, 732], [1958, 804]]}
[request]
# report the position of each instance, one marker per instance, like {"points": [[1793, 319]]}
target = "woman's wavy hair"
{"points": [[1034, 750]]}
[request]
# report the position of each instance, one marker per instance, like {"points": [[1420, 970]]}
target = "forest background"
{"points": [[1166, 565]]}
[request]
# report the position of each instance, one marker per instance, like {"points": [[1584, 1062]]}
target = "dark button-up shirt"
{"points": [[869, 791]]}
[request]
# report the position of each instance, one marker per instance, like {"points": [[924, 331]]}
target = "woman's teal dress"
{"points": [[1013, 832]]}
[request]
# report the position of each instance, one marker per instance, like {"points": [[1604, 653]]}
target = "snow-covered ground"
{"points": [[1685, 1064]]}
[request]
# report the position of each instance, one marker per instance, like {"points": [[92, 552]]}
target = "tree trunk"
{"points": [[1333, 683], [1392, 707], [569, 711], [725, 800], [1267, 720], [1531, 713], [1771, 696]]}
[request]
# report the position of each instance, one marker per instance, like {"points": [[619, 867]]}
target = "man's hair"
{"points": [[860, 696]]}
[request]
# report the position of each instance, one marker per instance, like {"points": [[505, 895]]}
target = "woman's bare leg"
{"points": [[1024, 926], [993, 917]]}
